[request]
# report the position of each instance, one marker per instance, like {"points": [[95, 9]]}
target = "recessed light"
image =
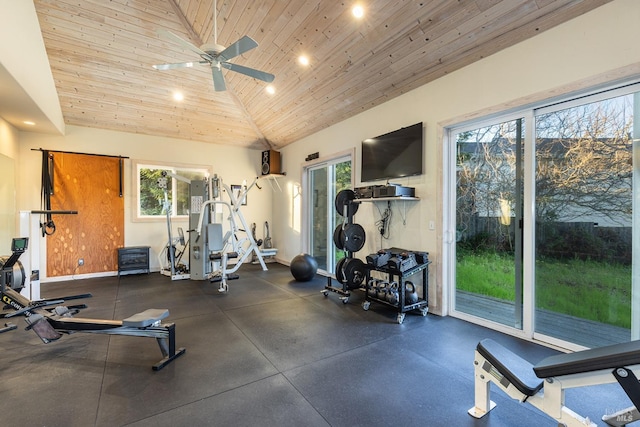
{"points": [[270, 89], [178, 96], [303, 60], [29, 123], [358, 11]]}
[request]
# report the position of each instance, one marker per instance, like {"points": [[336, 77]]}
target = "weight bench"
{"points": [[543, 385]]}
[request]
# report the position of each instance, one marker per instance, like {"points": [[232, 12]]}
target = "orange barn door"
{"points": [[90, 185]]}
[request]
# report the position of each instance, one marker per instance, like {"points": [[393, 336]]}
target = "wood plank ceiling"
{"points": [[101, 53]]}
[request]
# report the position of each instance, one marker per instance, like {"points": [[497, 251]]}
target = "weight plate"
{"points": [[354, 273], [338, 237], [343, 198], [340, 271], [354, 237]]}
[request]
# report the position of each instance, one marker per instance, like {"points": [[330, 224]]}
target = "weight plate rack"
{"points": [[350, 237]]}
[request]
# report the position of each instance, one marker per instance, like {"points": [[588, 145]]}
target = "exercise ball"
{"points": [[303, 267]]}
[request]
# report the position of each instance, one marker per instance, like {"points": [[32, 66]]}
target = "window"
{"points": [[151, 183]]}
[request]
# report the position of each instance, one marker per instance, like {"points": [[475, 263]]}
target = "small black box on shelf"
{"points": [[393, 191]]}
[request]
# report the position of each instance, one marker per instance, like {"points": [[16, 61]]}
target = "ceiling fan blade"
{"points": [[172, 66], [184, 43], [251, 72], [241, 46], [218, 79]]}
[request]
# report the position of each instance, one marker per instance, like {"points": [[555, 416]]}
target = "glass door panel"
{"points": [[488, 222], [342, 180], [319, 219], [325, 181], [583, 239]]}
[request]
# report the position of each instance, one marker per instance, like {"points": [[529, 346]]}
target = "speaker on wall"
{"points": [[270, 162]]}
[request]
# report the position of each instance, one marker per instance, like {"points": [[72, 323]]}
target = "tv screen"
{"points": [[393, 155]]}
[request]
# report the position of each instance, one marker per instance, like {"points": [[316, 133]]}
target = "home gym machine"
{"points": [[48, 318], [543, 385], [176, 269], [211, 247]]}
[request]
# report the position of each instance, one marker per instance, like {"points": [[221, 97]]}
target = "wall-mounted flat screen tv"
{"points": [[393, 155]]}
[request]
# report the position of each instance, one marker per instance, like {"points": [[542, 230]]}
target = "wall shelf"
{"points": [[273, 177], [387, 199]]}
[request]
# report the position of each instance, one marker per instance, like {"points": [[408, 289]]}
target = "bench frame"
{"points": [[550, 399]]}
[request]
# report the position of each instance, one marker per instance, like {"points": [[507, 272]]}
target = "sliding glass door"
{"points": [[488, 217], [584, 221], [544, 223], [324, 181]]}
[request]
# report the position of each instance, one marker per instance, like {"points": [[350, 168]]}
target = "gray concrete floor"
{"points": [[271, 352]]}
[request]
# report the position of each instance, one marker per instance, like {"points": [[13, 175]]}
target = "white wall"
{"points": [[597, 47], [8, 160], [8, 140], [232, 164], [24, 58]]}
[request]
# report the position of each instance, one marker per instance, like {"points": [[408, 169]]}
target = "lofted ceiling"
{"points": [[101, 55]]}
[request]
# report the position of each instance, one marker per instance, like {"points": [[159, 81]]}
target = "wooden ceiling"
{"points": [[101, 55]]}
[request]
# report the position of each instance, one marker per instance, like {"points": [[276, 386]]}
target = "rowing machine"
{"points": [[50, 322], [544, 384]]}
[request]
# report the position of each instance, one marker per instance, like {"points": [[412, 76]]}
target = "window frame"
{"points": [[172, 185]]}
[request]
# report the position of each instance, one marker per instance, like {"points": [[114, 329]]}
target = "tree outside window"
{"points": [[151, 195]]}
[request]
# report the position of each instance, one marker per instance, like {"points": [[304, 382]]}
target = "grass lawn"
{"points": [[587, 289]]}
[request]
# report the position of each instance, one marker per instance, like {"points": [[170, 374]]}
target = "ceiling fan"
{"points": [[217, 57]]}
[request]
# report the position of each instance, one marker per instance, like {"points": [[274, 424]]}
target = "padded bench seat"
{"points": [[543, 385], [145, 318], [513, 368], [595, 359], [218, 255]]}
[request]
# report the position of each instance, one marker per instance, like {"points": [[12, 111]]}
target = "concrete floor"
{"points": [[271, 352]]}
